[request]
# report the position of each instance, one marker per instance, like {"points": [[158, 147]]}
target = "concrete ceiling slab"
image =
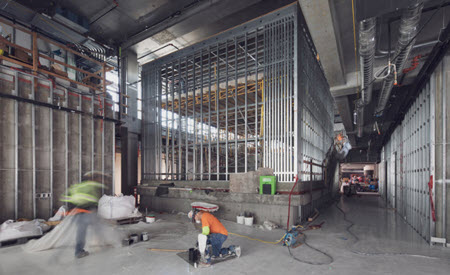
{"points": [[318, 15]]}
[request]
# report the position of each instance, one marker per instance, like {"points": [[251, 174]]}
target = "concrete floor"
{"points": [[379, 229]]}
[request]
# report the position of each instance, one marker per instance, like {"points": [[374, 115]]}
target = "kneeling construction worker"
{"points": [[211, 239]]}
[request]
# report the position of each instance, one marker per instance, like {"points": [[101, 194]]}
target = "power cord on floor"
{"points": [[374, 254], [258, 240], [313, 248]]}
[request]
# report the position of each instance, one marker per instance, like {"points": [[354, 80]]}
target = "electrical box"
{"points": [[267, 185]]}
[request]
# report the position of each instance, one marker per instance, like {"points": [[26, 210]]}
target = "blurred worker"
{"points": [[84, 196], [214, 234]]}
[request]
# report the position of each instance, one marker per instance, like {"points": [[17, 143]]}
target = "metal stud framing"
{"points": [[413, 153], [36, 198], [236, 102]]}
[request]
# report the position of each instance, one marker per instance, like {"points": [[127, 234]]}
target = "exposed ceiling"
{"points": [[156, 28], [434, 18]]}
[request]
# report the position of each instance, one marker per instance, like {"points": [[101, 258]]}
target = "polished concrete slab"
{"points": [[386, 245]]}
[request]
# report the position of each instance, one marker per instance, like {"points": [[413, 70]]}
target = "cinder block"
{"points": [[248, 182]]}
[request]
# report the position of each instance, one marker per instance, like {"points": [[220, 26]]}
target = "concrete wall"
{"points": [[44, 150], [265, 207]]}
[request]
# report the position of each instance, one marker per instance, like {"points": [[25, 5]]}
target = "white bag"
{"points": [[11, 230], [117, 207]]}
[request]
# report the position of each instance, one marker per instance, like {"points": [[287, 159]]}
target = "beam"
{"points": [[191, 18], [318, 15]]}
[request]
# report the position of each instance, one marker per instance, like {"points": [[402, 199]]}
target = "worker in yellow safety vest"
{"points": [[84, 196]]}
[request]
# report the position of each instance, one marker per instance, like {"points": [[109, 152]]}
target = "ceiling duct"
{"points": [[367, 30], [56, 27], [407, 31]]}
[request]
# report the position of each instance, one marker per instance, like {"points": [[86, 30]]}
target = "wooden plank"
{"points": [[70, 66], [68, 79], [16, 62], [35, 52], [15, 45], [108, 68]]}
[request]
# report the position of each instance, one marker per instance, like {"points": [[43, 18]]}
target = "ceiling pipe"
{"points": [[407, 31], [384, 53], [367, 30]]}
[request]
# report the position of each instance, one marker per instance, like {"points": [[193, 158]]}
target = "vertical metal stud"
{"points": [[51, 151], [93, 133], [180, 126], [444, 146], [201, 116], [226, 110], [236, 163], [66, 144], [209, 114], [80, 140], [33, 143], [217, 109], [16, 147]]}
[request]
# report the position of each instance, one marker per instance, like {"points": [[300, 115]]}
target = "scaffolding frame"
{"points": [[236, 102]]}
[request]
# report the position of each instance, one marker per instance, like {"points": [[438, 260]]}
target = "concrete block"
{"points": [[248, 182]]}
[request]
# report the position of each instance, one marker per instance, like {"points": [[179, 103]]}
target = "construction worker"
{"points": [[213, 235], [84, 196]]}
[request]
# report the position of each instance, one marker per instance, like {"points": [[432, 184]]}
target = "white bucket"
{"points": [[149, 219], [144, 236], [248, 221], [240, 219]]}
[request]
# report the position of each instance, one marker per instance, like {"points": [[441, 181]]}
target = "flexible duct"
{"points": [[367, 54], [407, 31]]}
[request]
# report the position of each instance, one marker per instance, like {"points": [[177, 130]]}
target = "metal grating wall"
{"points": [[253, 96]]}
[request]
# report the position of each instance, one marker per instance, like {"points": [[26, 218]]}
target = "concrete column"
{"points": [[129, 133], [129, 150]]}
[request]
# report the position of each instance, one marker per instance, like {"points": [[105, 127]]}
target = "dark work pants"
{"points": [[82, 221]]}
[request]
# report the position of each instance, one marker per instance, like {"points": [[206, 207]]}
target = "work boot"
{"points": [[237, 251], [203, 264], [82, 254], [234, 250]]}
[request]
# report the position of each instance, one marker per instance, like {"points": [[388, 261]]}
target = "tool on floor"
{"points": [[291, 238]]}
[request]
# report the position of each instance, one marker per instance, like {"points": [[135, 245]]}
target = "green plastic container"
{"points": [[267, 185]]}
